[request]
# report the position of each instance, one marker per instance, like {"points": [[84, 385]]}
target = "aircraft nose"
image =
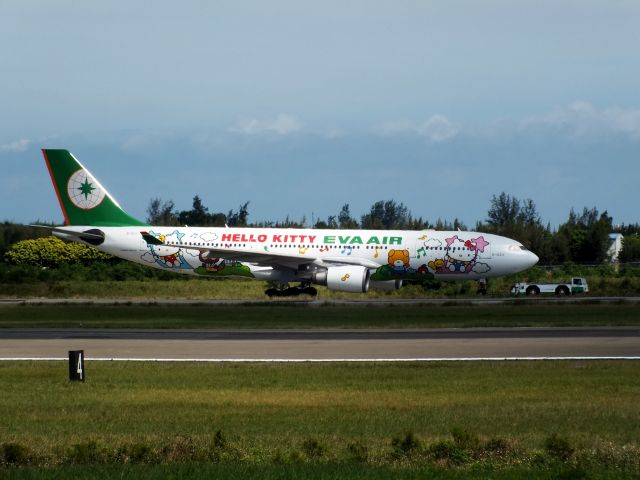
{"points": [[532, 259]]}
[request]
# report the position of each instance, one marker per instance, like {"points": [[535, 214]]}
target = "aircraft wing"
{"points": [[266, 257]]}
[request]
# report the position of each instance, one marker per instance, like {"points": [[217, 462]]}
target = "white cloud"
{"points": [[283, 124], [437, 128], [17, 146], [144, 141], [583, 119], [624, 121]]}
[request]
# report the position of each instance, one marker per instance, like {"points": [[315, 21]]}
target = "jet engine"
{"points": [[351, 278], [389, 285]]}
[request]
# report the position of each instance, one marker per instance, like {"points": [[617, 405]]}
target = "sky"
{"points": [[300, 107]]}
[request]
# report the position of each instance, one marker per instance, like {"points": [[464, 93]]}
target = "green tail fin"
{"points": [[82, 199]]}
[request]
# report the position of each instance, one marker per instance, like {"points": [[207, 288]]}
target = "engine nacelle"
{"points": [[350, 278], [389, 285]]}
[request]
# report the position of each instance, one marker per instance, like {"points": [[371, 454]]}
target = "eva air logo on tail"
{"points": [[84, 191], [82, 199]]}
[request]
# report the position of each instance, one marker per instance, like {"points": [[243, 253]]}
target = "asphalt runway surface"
{"points": [[320, 301], [323, 345]]}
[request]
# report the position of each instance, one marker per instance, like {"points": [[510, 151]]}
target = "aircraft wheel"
{"points": [[272, 292], [291, 292], [310, 291]]}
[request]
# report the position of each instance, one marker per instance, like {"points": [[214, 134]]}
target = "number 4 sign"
{"points": [[76, 365]]}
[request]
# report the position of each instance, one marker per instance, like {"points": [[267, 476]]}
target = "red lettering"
{"points": [[226, 237], [277, 238], [312, 238], [262, 238], [236, 237]]}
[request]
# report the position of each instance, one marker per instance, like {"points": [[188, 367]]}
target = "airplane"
{"points": [[342, 260]]}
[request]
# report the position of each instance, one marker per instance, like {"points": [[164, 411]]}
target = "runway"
{"points": [[324, 345], [320, 302]]}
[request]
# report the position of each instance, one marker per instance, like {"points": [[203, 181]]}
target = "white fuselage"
{"points": [[283, 255]]}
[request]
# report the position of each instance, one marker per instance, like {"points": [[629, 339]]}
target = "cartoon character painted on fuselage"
{"points": [[461, 256], [166, 256], [398, 261], [211, 265]]}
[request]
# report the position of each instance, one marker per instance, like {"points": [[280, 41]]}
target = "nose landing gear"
{"points": [[482, 286]]}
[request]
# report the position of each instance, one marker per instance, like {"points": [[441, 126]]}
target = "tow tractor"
{"points": [[575, 286]]}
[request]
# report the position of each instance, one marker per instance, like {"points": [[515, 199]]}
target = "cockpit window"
{"points": [[523, 248]]}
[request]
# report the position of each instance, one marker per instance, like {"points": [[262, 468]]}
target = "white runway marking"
{"points": [[312, 360]]}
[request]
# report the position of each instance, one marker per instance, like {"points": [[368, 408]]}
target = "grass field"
{"points": [[547, 420], [503, 420], [311, 472], [265, 316], [601, 283]]}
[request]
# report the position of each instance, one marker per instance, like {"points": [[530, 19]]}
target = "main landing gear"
{"points": [[284, 290]]}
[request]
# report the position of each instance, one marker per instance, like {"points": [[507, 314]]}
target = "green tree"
{"points": [[52, 252], [290, 223], [504, 212], [161, 213], [11, 233], [587, 235], [386, 215], [345, 220], [239, 218], [197, 216], [518, 219], [631, 229], [630, 249]]}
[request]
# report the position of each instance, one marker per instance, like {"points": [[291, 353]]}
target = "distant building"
{"points": [[615, 247]]}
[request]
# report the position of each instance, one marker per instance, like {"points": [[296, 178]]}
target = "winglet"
{"points": [[150, 239]]}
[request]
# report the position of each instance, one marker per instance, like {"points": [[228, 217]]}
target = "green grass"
{"points": [[311, 472], [267, 316], [602, 282], [312, 414], [204, 289]]}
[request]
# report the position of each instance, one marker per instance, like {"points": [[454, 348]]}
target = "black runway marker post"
{"points": [[76, 365]]}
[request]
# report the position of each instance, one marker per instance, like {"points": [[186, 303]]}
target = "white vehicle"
{"points": [[344, 260], [576, 285]]}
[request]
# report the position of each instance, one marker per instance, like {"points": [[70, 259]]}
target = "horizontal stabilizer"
{"points": [[70, 233]]}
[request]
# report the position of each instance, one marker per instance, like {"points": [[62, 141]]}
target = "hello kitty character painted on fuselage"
{"points": [[167, 256], [461, 255]]}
